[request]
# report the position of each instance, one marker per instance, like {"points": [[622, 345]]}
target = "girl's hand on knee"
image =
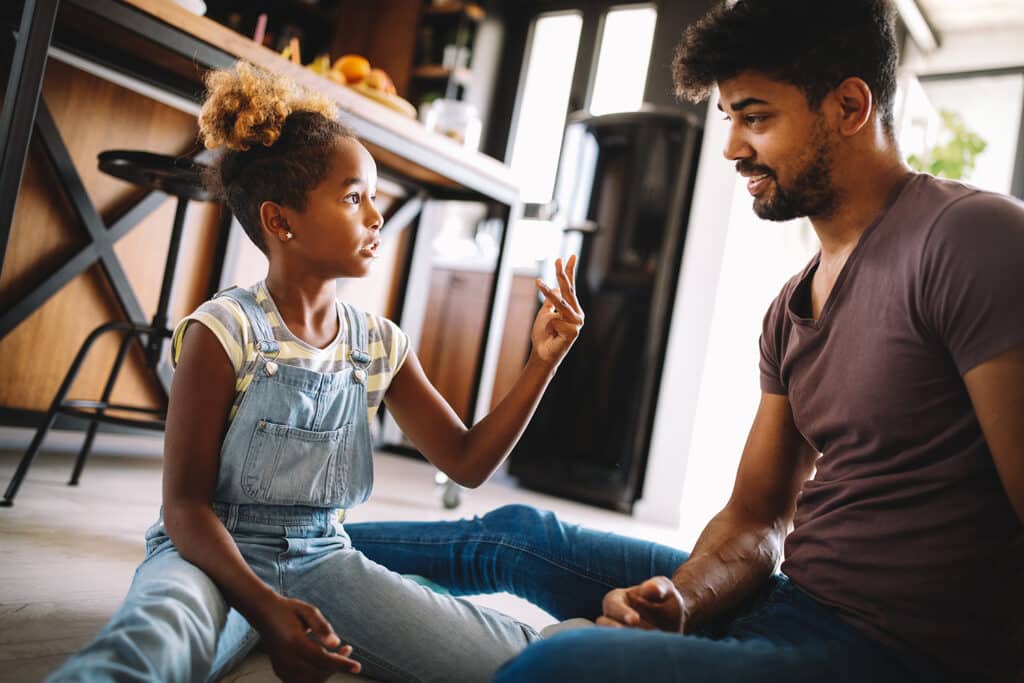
{"points": [[559, 321], [302, 645]]}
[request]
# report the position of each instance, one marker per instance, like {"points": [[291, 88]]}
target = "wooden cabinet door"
{"points": [[453, 330]]}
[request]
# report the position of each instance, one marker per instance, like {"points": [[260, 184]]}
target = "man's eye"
{"points": [[754, 119]]}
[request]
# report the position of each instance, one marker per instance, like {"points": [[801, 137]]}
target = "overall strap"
{"points": [[358, 337], [263, 334]]}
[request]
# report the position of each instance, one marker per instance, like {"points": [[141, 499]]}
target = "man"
{"points": [[897, 354]]}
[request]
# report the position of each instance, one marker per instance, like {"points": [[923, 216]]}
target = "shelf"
{"points": [[470, 9], [189, 44], [437, 72]]}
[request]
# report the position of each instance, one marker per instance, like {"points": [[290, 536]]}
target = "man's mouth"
{"points": [[757, 183]]}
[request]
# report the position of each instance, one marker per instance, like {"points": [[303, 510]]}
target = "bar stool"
{"points": [[181, 178]]}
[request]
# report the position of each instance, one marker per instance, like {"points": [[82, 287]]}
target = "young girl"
{"points": [[268, 434]]}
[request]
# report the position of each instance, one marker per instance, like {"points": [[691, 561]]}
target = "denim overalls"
{"points": [[297, 449]]}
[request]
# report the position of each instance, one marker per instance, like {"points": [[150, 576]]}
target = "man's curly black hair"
{"points": [[813, 44]]}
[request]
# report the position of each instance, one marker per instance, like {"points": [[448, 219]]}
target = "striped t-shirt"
{"points": [[388, 345]]}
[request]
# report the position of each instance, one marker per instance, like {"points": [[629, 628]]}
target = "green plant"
{"points": [[954, 156]]}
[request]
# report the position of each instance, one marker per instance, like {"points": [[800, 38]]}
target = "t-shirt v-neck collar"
{"points": [[801, 293]]}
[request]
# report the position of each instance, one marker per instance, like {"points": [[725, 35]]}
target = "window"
{"points": [[543, 99], [623, 59], [990, 106]]}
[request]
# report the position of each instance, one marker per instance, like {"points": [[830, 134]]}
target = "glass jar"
{"points": [[454, 119]]}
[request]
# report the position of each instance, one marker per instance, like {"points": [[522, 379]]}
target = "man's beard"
{"points": [[811, 193]]}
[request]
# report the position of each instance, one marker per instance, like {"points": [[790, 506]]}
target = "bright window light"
{"points": [[623, 59], [543, 100]]}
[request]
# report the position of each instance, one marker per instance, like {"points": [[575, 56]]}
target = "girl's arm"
{"points": [[202, 392], [470, 456]]}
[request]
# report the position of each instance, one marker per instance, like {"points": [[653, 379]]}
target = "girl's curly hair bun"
{"points": [[247, 106]]}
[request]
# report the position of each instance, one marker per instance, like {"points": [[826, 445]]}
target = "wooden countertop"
{"points": [[397, 142]]}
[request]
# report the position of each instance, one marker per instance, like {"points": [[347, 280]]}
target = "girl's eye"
{"points": [[352, 198]]}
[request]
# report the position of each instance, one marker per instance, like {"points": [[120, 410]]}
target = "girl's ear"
{"points": [[275, 225]]}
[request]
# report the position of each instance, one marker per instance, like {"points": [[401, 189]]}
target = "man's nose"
{"points": [[736, 147]]}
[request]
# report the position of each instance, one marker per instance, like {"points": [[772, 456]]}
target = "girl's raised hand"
{"points": [[559, 321]]}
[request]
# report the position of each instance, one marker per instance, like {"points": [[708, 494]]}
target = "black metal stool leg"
{"points": [[51, 416], [155, 343], [115, 370], [26, 459]]}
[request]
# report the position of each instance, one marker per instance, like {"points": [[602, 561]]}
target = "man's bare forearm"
{"points": [[731, 560]]}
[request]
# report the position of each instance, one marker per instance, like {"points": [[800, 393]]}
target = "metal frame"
{"points": [[28, 62]]}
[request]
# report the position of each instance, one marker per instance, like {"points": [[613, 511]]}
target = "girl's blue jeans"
{"points": [[175, 625], [782, 634]]}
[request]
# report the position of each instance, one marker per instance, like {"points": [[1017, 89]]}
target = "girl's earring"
{"points": [[288, 235]]}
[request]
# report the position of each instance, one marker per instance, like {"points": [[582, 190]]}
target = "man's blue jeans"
{"points": [[780, 635]]}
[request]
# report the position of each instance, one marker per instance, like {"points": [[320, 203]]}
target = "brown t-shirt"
{"points": [[906, 529]]}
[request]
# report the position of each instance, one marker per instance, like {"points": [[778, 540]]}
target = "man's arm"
{"points": [[996, 388], [742, 545]]}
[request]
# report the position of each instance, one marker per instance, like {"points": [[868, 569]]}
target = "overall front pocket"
{"points": [[291, 466]]}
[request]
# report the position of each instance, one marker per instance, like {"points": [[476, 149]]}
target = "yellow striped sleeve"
{"points": [[225, 319], [395, 342]]}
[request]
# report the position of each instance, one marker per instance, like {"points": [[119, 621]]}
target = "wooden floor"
{"points": [[67, 554]]}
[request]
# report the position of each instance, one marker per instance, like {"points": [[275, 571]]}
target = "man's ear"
{"points": [[275, 225], [855, 105]]}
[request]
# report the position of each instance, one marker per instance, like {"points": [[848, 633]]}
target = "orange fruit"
{"points": [[354, 67]]}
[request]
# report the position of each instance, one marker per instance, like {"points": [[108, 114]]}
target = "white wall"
{"points": [[759, 257]]}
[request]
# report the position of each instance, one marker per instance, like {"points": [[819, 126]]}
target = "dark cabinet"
{"points": [[624, 186]]}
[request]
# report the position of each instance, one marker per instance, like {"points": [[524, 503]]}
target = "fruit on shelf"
{"points": [[378, 79], [355, 72], [321, 65], [353, 67], [392, 102]]}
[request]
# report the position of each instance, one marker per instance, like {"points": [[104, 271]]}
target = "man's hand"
{"points": [[302, 646], [655, 604]]}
